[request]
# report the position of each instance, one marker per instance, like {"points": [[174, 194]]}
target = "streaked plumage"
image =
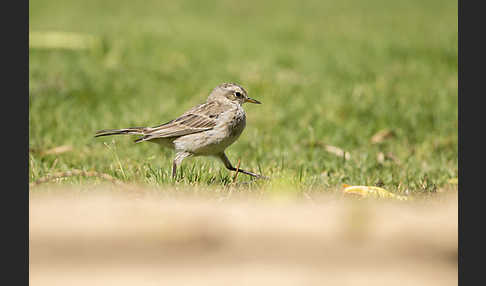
{"points": [[207, 129]]}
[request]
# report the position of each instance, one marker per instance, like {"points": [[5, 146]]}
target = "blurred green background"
{"points": [[328, 73]]}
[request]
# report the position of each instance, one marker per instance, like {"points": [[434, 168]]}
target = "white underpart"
{"points": [[229, 128]]}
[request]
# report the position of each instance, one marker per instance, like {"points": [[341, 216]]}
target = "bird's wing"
{"points": [[200, 118]]}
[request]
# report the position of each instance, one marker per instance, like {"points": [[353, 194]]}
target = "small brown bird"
{"points": [[205, 130]]}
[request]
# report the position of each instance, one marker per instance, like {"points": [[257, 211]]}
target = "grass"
{"points": [[328, 73]]}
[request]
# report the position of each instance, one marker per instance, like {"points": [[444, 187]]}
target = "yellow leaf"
{"points": [[371, 192], [453, 181], [62, 40], [382, 135], [57, 150]]}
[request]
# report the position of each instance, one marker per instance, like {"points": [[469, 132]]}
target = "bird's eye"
{"points": [[238, 94]]}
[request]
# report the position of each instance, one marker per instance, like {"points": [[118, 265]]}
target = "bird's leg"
{"points": [[174, 170], [230, 167], [177, 161]]}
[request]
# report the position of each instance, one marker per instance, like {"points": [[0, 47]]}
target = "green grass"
{"points": [[327, 72]]}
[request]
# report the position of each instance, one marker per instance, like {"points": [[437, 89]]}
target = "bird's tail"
{"points": [[133, 130]]}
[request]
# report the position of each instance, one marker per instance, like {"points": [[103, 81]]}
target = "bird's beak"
{"points": [[253, 100]]}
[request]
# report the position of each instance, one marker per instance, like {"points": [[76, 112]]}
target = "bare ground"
{"points": [[142, 237]]}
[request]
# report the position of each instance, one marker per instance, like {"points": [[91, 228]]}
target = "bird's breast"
{"points": [[230, 126], [237, 123]]}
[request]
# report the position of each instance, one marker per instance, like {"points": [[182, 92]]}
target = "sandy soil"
{"points": [[145, 238]]}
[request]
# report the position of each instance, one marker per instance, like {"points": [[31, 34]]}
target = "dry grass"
{"points": [[138, 236]]}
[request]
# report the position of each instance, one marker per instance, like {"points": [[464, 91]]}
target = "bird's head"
{"points": [[231, 92]]}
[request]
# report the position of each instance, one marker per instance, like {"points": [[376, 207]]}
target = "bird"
{"points": [[204, 130]]}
